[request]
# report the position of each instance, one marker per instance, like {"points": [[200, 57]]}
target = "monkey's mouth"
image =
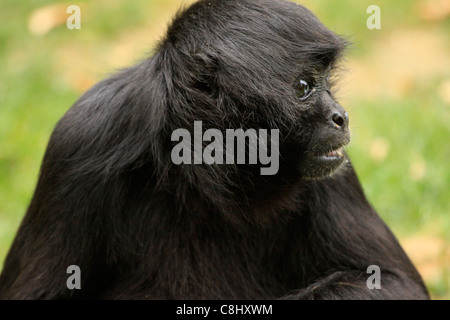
{"points": [[332, 155], [323, 164]]}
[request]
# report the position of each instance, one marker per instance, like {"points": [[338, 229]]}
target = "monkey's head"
{"points": [[247, 64]]}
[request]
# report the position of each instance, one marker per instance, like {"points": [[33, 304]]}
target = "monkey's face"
{"points": [[323, 125]]}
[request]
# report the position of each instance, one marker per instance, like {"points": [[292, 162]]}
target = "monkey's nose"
{"points": [[339, 118]]}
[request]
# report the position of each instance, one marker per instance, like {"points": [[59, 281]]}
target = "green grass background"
{"points": [[400, 124]]}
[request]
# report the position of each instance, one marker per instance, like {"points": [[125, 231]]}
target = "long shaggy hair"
{"points": [[110, 200]]}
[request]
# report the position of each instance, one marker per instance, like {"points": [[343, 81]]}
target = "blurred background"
{"points": [[395, 84]]}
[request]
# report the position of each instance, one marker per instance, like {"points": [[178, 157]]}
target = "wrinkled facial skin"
{"points": [[329, 127]]}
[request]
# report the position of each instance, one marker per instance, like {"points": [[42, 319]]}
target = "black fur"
{"points": [[110, 200]]}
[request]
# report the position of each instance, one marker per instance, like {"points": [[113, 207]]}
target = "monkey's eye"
{"points": [[303, 89]]}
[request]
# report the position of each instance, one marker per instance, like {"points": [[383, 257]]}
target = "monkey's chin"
{"points": [[322, 166]]}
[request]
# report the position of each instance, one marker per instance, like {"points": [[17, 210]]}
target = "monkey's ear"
{"points": [[206, 68], [206, 59]]}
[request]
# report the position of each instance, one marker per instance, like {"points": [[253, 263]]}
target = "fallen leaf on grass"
{"points": [[44, 19]]}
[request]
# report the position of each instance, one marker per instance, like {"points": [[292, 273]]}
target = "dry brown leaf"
{"points": [[379, 149], [444, 91], [433, 10], [429, 254], [418, 169], [44, 19]]}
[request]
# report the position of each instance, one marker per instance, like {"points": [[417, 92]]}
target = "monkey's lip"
{"points": [[332, 155], [323, 164]]}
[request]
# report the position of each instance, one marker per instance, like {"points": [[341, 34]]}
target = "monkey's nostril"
{"points": [[338, 119]]}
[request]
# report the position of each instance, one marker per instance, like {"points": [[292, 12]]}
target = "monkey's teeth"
{"points": [[335, 153]]}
